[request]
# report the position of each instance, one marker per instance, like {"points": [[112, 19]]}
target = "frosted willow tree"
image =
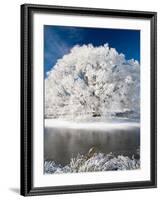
{"points": [[92, 81]]}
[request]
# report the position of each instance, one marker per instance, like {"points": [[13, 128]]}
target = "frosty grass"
{"points": [[98, 162]]}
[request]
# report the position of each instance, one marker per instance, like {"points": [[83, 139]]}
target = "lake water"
{"points": [[62, 142]]}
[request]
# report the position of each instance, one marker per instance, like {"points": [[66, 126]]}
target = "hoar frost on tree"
{"points": [[92, 82]]}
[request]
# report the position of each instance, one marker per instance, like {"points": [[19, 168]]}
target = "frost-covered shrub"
{"points": [[92, 81], [98, 162]]}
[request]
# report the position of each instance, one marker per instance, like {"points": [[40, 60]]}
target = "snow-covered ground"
{"points": [[97, 162]]}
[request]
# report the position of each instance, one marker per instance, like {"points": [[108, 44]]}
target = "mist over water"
{"points": [[63, 143]]}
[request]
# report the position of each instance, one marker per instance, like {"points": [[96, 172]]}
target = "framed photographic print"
{"points": [[88, 99]]}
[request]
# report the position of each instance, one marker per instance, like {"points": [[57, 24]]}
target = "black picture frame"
{"points": [[27, 11]]}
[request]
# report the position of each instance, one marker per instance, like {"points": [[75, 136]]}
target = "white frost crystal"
{"points": [[98, 162], [92, 81]]}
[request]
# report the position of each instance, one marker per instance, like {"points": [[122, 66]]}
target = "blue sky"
{"points": [[58, 40]]}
